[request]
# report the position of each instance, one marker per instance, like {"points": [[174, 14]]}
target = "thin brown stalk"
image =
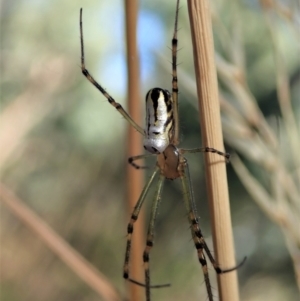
{"points": [[209, 108], [134, 147], [76, 262]]}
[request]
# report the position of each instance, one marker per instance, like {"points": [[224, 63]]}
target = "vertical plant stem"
{"points": [[134, 147], [209, 109]]}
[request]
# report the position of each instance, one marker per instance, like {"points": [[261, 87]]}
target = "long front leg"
{"points": [[86, 73]]}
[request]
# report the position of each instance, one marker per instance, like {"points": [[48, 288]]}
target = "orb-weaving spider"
{"points": [[161, 138]]}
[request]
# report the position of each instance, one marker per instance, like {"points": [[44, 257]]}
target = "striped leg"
{"points": [[175, 140], [134, 158], [198, 239], [86, 73], [206, 150], [150, 235], [134, 217]]}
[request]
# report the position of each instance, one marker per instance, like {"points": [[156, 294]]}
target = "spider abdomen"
{"points": [[159, 120]]}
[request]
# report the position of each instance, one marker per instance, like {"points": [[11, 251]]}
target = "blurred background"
{"points": [[63, 146]]}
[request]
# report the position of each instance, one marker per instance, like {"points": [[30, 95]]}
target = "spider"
{"points": [[161, 138]]}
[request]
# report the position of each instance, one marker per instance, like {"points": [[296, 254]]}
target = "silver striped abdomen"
{"points": [[159, 120]]}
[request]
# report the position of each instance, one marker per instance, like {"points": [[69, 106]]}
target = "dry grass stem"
{"points": [[211, 129], [252, 135], [80, 266], [134, 147]]}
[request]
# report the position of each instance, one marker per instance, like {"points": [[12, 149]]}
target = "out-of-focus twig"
{"points": [[59, 246], [134, 147], [24, 112]]}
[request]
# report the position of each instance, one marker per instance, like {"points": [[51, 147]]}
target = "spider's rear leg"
{"points": [[200, 246], [198, 238], [149, 243], [150, 234], [190, 205], [192, 215], [133, 219]]}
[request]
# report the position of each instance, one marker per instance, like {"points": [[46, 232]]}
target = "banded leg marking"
{"points": [[200, 246], [206, 150], [175, 79], [134, 158], [198, 238], [86, 73], [150, 235], [149, 242], [134, 217]]}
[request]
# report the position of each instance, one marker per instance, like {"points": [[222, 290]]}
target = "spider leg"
{"points": [[149, 243], [150, 234], [134, 217], [198, 239], [134, 158], [207, 150], [86, 73], [175, 140], [151, 286]]}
